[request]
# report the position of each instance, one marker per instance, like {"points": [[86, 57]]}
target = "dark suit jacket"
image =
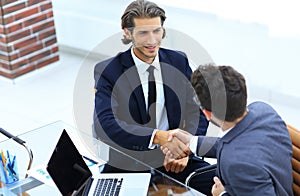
{"points": [[120, 108], [254, 158]]}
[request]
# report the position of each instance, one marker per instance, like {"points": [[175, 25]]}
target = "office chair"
{"points": [[199, 171], [295, 137]]}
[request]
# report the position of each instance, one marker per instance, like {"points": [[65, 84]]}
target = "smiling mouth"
{"points": [[150, 48]]}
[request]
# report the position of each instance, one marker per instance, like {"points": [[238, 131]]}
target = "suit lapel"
{"points": [[130, 71], [220, 147], [168, 74]]}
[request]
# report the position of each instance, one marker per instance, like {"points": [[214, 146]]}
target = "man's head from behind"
{"points": [[221, 90]]}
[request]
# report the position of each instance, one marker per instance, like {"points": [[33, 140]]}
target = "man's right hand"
{"points": [[161, 137], [174, 144], [178, 144]]}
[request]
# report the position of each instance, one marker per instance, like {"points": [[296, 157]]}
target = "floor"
{"points": [[62, 91], [40, 97]]}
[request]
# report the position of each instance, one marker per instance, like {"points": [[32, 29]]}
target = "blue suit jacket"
{"points": [[254, 158], [120, 108]]}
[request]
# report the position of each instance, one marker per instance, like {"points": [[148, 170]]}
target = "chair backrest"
{"points": [[295, 137]]}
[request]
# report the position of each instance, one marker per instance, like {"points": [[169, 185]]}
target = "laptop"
{"points": [[72, 176]]}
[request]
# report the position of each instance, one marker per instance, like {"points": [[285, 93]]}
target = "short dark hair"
{"points": [[140, 9], [221, 90]]}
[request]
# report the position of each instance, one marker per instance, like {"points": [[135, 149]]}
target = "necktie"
{"points": [[151, 97]]}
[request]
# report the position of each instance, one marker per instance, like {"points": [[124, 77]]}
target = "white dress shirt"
{"points": [[194, 140], [161, 112]]}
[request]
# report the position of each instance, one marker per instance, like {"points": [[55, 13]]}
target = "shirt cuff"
{"points": [[222, 193], [151, 145], [193, 144]]}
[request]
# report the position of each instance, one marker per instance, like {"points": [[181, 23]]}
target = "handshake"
{"points": [[174, 143]]}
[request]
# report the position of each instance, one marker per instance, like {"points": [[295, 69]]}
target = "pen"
{"points": [[11, 169], [8, 157], [13, 161], [12, 172], [3, 168], [7, 167], [3, 160]]}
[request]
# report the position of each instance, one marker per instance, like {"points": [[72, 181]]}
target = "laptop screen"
{"points": [[67, 167]]}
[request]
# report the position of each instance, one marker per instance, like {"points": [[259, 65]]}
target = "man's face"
{"points": [[146, 38]]}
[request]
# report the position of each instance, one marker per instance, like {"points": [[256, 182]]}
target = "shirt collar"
{"points": [[141, 65], [222, 133]]}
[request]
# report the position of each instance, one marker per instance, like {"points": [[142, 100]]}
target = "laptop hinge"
{"points": [[84, 188]]}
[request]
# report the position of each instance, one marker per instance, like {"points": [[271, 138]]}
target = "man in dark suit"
{"points": [[254, 152], [125, 116]]}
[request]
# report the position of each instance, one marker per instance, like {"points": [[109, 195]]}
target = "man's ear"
{"points": [[127, 33], [207, 114], [164, 32]]}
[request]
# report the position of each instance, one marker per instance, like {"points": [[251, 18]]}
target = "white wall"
{"points": [[269, 63]]}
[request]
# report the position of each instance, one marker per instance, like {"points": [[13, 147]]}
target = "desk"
{"points": [[42, 142]]}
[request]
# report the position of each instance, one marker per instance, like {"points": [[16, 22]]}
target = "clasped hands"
{"points": [[176, 147], [175, 143]]}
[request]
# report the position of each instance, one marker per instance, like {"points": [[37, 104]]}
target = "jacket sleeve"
{"points": [[207, 146]]}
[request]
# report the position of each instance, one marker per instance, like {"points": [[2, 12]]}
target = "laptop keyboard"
{"points": [[108, 187]]}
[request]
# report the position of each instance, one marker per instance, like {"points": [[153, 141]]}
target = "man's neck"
{"points": [[227, 125]]}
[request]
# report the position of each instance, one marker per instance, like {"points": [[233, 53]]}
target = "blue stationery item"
{"points": [[13, 162], [8, 169], [8, 157]]}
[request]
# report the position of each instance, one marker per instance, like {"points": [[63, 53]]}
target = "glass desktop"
{"points": [[42, 141]]}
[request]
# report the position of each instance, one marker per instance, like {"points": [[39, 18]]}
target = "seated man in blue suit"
{"points": [[125, 115], [254, 152]]}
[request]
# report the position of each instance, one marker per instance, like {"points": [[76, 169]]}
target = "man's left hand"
{"points": [[174, 165], [218, 187]]}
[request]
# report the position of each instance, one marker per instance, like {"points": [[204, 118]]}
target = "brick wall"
{"points": [[27, 36]]}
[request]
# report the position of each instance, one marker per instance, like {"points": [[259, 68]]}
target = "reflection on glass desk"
{"points": [[42, 141]]}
